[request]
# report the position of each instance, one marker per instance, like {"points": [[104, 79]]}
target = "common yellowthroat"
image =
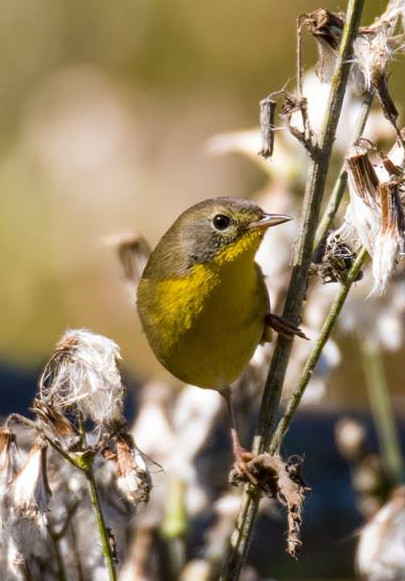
{"points": [[202, 298]]}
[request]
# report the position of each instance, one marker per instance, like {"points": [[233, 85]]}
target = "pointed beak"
{"points": [[268, 221]]}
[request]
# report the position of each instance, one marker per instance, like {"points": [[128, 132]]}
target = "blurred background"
{"points": [[107, 110]]}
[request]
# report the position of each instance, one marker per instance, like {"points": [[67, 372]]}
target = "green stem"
{"points": [[102, 528], [382, 411], [340, 184], [95, 503], [313, 359], [240, 539]]}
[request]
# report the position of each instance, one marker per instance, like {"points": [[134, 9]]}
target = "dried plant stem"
{"points": [[340, 184], [382, 410], [320, 158], [326, 331]]}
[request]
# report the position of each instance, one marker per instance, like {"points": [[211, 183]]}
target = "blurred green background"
{"points": [[105, 109]]}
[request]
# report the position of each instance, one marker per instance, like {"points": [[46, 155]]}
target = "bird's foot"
{"points": [[282, 327], [282, 480], [240, 471]]}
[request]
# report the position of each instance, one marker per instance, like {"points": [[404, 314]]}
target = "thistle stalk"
{"points": [[313, 359], [320, 158], [96, 506], [102, 528]]}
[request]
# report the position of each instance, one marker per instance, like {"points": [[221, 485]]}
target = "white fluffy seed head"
{"points": [[83, 374], [381, 549], [133, 478], [376, 213], [30, 490]]}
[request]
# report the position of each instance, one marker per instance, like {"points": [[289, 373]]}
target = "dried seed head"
{"points": [[327, 28], [83, 374], [55, 423], [30, 491], [362, 176], [9, 457], [364, 197], [381, 549], [372, 51], [376, 212], [267, 112], [133, 253], [389, 243], [133, 478]]}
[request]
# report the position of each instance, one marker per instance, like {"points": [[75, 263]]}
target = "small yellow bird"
{"points": [[202, 298]]}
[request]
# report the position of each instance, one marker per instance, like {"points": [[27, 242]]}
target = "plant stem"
{"points": [[102, 528], [382, 411], [320, 158], [308, 370], [95, 503], [340, 184]]}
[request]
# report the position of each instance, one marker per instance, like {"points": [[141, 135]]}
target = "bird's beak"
{"points": [[268, 221]]}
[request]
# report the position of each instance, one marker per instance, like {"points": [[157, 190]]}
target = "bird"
{"points": [[203, 300]]}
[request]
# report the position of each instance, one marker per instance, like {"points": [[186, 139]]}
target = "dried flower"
{"points": [[381, 549], [389, 243], [133, 478], [267, 112], [83, 374], [327, 28], [31, 492], [9, 457], [372, 51], [55, 423], [376, 213], [133, 252]]}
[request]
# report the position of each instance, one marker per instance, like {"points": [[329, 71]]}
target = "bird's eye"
{"points": [[221, 222]]}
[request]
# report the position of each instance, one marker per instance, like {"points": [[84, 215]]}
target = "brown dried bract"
{"points": [[133, 253], [267, 112], [326, 26], [362, 175], [52, 419], [392, 214], [283, 481]]}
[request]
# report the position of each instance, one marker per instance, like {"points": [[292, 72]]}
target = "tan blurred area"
{"points": [[106, 108]]}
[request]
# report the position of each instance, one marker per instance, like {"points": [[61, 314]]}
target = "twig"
{"points": [[326, 331], [301, 261], [382, 411]]}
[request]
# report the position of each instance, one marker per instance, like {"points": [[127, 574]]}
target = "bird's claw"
{"points": [[282, 327]]}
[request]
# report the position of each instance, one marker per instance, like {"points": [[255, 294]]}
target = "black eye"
{"points": [[221, 222]]}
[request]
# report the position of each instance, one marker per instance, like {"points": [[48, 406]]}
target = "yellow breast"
{"points": [[205, 327]]}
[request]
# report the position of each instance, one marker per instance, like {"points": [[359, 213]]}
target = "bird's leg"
{"points": [[281, 326], [242, 456]]}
